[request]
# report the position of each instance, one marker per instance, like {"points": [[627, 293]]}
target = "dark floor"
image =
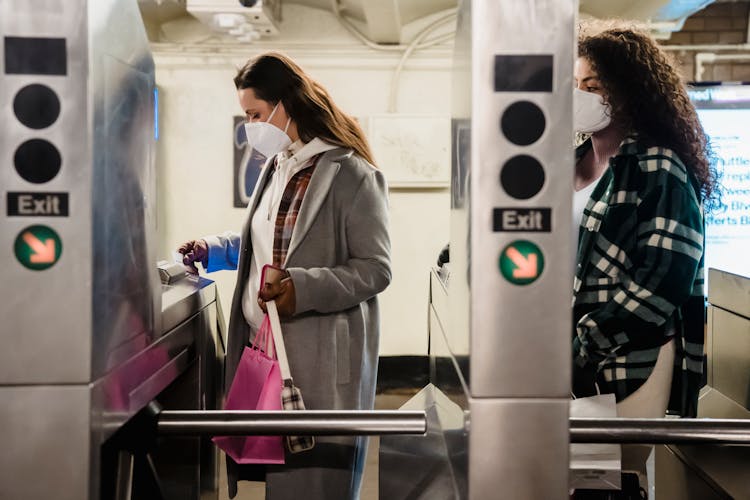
{"points": [[391, 400]]}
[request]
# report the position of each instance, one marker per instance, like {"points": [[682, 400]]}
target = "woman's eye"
{"points": [[592, 89]]}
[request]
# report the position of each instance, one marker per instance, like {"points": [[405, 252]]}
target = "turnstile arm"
{"points": [[660, 430], [310, 422]]}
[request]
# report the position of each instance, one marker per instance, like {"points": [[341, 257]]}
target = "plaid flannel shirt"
{"points": [[639, 278], [291, 201]]}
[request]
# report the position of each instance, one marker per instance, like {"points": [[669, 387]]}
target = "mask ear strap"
{"points": [[288, 121], [273, 112]]}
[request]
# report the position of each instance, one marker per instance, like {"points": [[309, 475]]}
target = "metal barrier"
{"points": [[380, 422], [315, 422], [659, 431]]}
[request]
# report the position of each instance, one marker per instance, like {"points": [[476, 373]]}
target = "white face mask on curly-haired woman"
{"points": [[590, 112]]}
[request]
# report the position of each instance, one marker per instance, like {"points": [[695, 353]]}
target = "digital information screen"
{"points": [[724, 112]]}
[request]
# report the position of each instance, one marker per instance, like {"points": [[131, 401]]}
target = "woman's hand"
{"points": [[192, 251], [282, 293]]}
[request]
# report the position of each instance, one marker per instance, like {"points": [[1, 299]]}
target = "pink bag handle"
{"points": [[263, 341]]}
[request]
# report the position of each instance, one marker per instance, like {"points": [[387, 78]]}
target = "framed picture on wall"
{"points": [[247, 165], [413, 151]]}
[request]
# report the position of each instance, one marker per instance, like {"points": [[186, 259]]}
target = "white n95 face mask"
{"points": [[590, 113], [265, 138]]}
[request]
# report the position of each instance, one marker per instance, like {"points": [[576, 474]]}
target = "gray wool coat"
{"points": [[339, 260]]}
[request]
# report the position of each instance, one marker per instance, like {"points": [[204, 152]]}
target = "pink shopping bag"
{"points": [[256, 386]]}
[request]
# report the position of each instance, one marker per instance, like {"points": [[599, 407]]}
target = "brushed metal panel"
{"points": [[721, 468], [675, 479], [515, 328], [729, 291], [731, 356], [184, 298], [518, 448], [126, 287], [46, 325], [45, 435]]}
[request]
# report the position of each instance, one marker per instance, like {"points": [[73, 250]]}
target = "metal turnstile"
{"points": [[696, 472], [90, 336], [505, 347]]}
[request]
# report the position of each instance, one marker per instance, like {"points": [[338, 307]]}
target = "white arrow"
{"points": [[44, 253]]}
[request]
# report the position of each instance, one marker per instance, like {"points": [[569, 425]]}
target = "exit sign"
{"points": [[37, 204]]}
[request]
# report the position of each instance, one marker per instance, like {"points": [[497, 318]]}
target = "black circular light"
{"points": [[523, 123], [37, 161], [36, 106], [522, 177]]}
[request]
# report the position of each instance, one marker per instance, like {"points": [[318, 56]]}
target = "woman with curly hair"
{"points": [[641, 179]]}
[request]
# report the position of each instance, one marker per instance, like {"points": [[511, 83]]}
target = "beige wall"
{"points": [[719, 29], [194, 163]]}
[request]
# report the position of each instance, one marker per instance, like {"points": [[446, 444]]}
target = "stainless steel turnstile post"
{"points": [[511, 251]]}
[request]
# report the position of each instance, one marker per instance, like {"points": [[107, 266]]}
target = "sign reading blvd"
{"points": [[521, 262], [38, 247]]}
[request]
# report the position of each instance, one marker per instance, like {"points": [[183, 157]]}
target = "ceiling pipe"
{"points": [[708, 47], [703, 58]]}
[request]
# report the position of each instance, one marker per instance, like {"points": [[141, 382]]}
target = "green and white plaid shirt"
{"points": [[639, 278]]}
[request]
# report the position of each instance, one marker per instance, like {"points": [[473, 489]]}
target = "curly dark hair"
{"points": [[648, 97]]}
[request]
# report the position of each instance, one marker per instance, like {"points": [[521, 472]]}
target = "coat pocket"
{"points": [[343, 359]]}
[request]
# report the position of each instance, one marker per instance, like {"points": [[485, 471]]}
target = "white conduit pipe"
{"points": [[708, 47], [702, 58], [449, 13], [412, 46]]}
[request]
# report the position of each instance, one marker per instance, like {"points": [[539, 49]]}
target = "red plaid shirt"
{"points": [[291, 201]]}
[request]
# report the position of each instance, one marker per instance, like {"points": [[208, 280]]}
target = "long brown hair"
{"points": [[648, 96], [274, 77]]}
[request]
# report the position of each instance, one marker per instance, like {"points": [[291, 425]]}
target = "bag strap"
{"points": [[278, 340], [263, 341]]}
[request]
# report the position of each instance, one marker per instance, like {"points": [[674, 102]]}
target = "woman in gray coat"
{"points": [[319, 211]]}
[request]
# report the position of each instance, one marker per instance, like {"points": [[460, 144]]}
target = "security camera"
{"points": [[248, 3]]}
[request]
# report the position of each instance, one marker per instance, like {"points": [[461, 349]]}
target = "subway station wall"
{"points": [[197, 102]]}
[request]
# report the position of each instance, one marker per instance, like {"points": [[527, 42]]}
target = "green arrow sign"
{"points": [[521, 262], [37, 247]]}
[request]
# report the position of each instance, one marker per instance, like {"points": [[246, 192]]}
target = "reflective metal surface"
{"points": [[47, 314], [507, 318], [85, 349], [712, 471], [184, 298], [659, 431], [125, 284], [729, 291], [315, 422], [688, 471], [727, 343], [82, 329], [44, 432], [507, 334], [518, 449], [433, 466]]}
